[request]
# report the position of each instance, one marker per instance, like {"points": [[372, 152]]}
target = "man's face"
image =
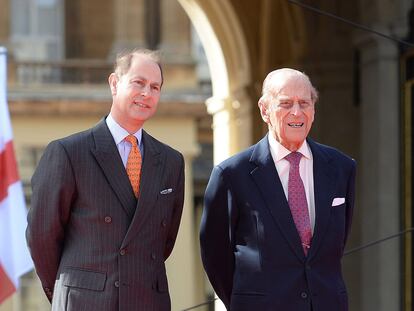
{"points": [[136, 93], [290, 114]]}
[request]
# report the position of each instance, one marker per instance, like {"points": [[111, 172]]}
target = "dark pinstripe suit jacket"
{"points": [[95, 247]]}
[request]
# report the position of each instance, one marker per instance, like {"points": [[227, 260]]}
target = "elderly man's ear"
{"points": [[263, 107]]}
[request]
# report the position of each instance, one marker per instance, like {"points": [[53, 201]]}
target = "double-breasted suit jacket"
{"points": [[250, 247], [94, 245]]}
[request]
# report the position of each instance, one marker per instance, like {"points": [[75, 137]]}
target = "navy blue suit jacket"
{"points": [[250, 247]]}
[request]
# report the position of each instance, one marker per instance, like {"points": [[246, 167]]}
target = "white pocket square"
{"points": [[166, 191], [338, 201]]}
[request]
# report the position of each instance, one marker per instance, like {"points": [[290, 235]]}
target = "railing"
{"points": [[69, 71]]}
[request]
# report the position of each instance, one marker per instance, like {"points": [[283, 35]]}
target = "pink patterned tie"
{"points": [[297, 201]]}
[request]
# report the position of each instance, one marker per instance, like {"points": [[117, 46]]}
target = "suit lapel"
{"points": [[324, 177], [108, 158], [267, 180], [151, 173]]}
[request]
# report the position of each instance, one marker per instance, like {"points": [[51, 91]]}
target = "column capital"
{"points": [[239, 101], [217, 104], [397, 30], [373, 47]]}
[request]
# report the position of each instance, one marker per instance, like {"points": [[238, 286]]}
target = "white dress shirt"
{"points": [[279, 153], [119, 134]]}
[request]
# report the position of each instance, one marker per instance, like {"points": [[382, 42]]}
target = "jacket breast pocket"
{"points": [[338, 221], [165, 202], [166, 197]]}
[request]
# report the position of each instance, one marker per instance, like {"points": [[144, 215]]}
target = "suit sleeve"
{"points": [[177, 212], [351, 200], [216, 235], [53, 192]]}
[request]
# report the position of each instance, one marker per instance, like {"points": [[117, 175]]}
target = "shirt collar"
{"points": [[279, 152], [118, 132]]}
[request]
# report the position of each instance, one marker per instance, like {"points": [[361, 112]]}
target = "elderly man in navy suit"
{"points": [[277, 215]]}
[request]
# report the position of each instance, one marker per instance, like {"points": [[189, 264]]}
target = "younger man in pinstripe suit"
{"points": [[96, 244]]}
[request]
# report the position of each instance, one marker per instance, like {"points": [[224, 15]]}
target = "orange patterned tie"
{"points": [[133, 166]]}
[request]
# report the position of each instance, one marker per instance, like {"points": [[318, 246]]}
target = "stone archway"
{"points": [[227, 54]]}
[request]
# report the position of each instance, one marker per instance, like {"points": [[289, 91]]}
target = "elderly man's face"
{"points": [[290, 114]]}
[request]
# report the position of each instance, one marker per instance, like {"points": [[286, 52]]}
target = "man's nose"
{"points": [[296, 110], [145, 91]]}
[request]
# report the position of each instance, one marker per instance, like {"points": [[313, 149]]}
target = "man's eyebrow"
{"points": [[293, 98], [145, 79], [138, 78]]}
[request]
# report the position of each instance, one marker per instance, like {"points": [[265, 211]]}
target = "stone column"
{"points": [[175, 32], [244, 107], [129, 21], [185, 287], [379, 172], [4, 22], [220, 109], [232, 132], [231, 125]]}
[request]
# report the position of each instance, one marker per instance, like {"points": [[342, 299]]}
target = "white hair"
{"points": [[277, 79]]}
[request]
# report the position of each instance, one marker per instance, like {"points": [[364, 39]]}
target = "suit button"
{"points": [[116, 283], [153, 256], [304, 295], [308, 267], [108, 219], [164, 223], [122, 252]]}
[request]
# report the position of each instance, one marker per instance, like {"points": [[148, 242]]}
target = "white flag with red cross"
{"points": [[14, 255]]}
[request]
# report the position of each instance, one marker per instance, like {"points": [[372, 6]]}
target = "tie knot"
{"points": [[294, 158], [132, 139]]}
